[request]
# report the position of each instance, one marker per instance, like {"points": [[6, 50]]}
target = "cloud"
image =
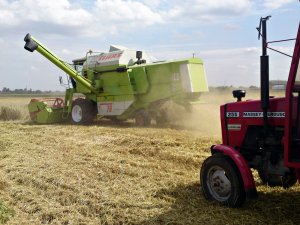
{"points": [[56, 12], [106, 18], [103, 18], [207, 11], [275, 4], [232, 52], [126, 12], [168, 29], [66, 51], [34, 68], [230, 27], [152, 3], [7, 18]]}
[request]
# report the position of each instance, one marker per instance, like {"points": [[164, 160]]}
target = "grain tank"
{"points": [[119, 85]]}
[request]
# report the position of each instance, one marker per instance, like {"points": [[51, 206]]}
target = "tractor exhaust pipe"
{"points": [[264, 71]]}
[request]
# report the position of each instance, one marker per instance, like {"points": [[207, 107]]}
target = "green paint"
{"points": [[121, 87]]}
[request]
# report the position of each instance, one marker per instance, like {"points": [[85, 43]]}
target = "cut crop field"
{"points": [[121, 174]]}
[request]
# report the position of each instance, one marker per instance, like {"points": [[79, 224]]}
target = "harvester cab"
{"points": [[119, 85], [256, 134]]}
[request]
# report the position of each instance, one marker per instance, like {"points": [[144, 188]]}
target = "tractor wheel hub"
{"points": [[218, 183]]}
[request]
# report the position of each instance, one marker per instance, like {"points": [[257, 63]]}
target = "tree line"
{"points": [[6, 90]]}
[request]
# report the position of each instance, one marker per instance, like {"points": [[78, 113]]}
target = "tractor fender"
{"points": [[241, 165]]}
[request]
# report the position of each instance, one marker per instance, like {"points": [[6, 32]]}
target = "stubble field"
{"points": [[120, 174]]}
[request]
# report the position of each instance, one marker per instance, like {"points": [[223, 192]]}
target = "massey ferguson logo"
{"points": [[260, 114], [255, 114]]}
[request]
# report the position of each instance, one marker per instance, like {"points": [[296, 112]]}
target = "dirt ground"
{"points": [[120, 174]]}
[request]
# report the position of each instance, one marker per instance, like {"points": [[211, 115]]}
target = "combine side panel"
{"points": [[117, 95], [177, 80]]}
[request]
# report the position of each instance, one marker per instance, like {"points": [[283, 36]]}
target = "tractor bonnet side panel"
{"points": [[237, 117]]}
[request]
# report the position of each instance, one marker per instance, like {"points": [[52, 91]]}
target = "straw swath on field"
{"points": [[120, 174]]}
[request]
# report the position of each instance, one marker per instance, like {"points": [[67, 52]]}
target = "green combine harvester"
{"points": [[119, 85]]}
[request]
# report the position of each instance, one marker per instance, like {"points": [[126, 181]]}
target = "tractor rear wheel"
{"points": [[221, 181], [142, 118], [83, 111]]}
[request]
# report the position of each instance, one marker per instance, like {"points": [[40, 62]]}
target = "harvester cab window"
{"points": [[78, 68]]}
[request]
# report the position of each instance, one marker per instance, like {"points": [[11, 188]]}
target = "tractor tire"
{"points": [[286, 181], [142, 118], [221, 181], [83, 111]]}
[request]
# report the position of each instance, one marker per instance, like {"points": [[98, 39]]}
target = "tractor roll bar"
{"points": [[32, 44]]}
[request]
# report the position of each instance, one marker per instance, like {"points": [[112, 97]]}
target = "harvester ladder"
{"points": [[68, 102]]}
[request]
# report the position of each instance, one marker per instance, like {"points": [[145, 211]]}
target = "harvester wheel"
{"points": [[221, 182], [142, 118], [83, 111], [162, 118], [115, 120]]}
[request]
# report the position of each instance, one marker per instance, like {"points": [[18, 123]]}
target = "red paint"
{"points": [[236, 137], [290, 107], [285, 107], [240, 162], [108, 106], [106, 57]]}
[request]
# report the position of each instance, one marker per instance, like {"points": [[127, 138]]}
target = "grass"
{"points": [[5, 213], [14, 108], [7, 113], [108, 174]]}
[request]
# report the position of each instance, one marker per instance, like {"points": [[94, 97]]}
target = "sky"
{"points": [[220, 32]]}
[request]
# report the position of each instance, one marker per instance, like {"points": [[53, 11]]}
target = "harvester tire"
{"points": [[83, 111], [162, 119], [142, 118], [115, 120], [221, 181]]}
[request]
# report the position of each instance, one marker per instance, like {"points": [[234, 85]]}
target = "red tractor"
{"points": [[256, 134]]}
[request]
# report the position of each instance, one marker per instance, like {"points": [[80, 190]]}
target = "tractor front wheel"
{"points": [[221, 182], [83, 111]]}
